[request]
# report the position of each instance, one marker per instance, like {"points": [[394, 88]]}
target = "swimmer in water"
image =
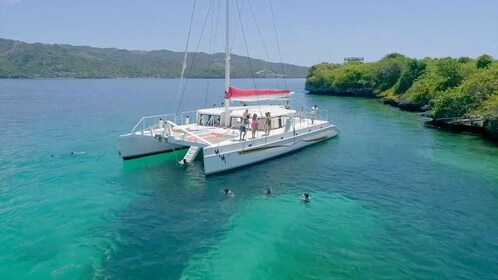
{"points": [[228, 192], [306, 197], [268, 191]]}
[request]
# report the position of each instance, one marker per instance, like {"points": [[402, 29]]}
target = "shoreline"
{"points": [[487, 129]]}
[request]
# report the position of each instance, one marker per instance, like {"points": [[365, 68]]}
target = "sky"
{"points": [[308, 31]]}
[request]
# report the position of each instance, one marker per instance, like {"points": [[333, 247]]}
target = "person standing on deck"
{"points": [[246, 114], [267, 124], [254, 125], [244, 125], [314, 113], [242, 130]]}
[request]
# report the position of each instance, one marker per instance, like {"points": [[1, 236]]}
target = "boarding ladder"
{"points": [[191, 154]]}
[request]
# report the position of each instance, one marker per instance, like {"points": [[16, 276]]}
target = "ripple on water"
{"points": [[331, 236]]}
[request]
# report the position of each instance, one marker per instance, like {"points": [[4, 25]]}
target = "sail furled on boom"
{"points": [[256, 94]]}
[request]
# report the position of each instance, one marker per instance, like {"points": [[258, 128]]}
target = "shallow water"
{"points": [[391, 199]]}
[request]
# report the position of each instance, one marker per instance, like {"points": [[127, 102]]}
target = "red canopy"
{"points": [[255, 94]]}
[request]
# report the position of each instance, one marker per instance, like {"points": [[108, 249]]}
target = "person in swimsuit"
{"points": [[267, 124], [268, 191], [254, 125], [228, 192], [306, 197]]}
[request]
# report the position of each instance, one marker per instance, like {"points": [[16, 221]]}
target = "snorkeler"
{"points": [[306, 197], [228, 192], [268, 191]]}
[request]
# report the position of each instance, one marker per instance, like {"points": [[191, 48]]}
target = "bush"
{"points": [[481, 85], [451, 73], [451, 104], [352, 76], [413, 70], [387, 71], [489, 108], [484, 61]]}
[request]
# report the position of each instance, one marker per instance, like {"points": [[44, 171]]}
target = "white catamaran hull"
{"points": [[218, 159], [136, 145]]}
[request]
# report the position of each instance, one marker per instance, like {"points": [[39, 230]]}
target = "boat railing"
{"points": [[176, 128], [304, 118], [189, 117], [323, 115], [151, 122]]}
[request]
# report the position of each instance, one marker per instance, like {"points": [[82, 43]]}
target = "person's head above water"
{"points": [[226, 190], [268, 190]]}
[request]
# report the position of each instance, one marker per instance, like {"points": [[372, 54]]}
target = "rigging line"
{"points": [[193, 59], [260, 35], [232, 42], [278, 44], [210, 59], [248, 57], [184, 65], [245, 44]]}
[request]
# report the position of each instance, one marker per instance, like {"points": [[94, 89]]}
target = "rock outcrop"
{"points": [[328, 90], [474, 124]]}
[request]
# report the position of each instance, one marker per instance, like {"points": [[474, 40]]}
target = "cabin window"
{"points": [[209, 120], [203, 119], [216, 120]]}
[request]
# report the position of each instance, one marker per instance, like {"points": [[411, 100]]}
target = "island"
{"points": [[458, 94]]}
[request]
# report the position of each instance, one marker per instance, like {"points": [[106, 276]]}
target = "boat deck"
{"points": [[220, 136]]}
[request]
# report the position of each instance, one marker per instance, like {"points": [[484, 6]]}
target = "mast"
{"points": [[227, 63]]}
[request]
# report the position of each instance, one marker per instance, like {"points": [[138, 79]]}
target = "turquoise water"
{"points": [[391, 199]]}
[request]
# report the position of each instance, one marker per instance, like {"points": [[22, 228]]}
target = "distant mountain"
{"points": [[24, 60]]}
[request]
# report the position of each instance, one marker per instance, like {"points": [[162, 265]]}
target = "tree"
{"points": [[388, 71], [413, 70], [424, 90], [451, 73], [481, 85], [489, 108], [484, 61], [464, 59], [352, 76], [321, 75], [451, 104]]}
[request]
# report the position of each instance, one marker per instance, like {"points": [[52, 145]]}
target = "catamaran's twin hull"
{"points": [[137, 145], [223, 158]]}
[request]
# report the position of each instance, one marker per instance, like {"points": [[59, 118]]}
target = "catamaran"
{"points": [[221, 133]]}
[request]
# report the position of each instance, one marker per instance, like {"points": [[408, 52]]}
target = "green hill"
{"points": [[458, 93], [24, 60]]}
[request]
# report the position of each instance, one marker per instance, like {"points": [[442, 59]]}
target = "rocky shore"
{"points": [[475, 124]]}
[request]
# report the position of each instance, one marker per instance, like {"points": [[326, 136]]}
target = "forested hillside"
{"points": [[461, 91], [23, 60]]}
